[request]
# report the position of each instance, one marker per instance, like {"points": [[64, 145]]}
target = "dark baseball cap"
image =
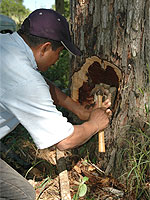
{"points": [[49, 24]]}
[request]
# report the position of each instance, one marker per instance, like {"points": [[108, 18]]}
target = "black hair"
{"points": [[34, 41]]}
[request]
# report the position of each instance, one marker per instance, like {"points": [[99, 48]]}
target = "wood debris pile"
{"points": [[99, 186]]}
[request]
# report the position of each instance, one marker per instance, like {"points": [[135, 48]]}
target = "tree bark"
{"points": [[117, 32]]}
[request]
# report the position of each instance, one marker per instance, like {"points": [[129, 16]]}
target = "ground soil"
{"points": [[40, 169]]}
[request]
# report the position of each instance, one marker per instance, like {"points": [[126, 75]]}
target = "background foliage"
{"points": [[15, 10]]}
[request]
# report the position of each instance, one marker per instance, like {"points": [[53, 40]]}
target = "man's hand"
{"points": [[84, 113], [99, 118], [65, 101], [97, 121]]}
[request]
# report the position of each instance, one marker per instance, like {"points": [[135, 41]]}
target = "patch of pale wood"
{"points": [[63, 176], [101, 140]]}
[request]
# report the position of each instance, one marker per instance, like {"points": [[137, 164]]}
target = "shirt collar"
{"points": [[28, 50]]}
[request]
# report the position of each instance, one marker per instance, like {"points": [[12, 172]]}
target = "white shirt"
{"points": [[25, 96]]}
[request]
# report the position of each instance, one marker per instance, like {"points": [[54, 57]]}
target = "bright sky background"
{"points": [[34, 4]]}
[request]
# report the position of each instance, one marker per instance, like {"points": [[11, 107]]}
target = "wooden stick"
{"points": [[101, 133], [63, 176]]}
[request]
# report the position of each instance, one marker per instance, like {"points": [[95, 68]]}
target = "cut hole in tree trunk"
{"points": [[94, 72]]}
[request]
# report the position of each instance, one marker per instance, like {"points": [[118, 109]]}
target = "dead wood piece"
{"points": [[106, 91], [63, 176], [97, 168], [114, 191]]}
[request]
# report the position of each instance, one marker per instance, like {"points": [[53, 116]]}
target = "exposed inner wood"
{"points": [[92, 73]]}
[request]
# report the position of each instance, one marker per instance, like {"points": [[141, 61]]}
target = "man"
{"points": [[29, 99]]}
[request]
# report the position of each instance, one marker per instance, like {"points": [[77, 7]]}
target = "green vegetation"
{"points": [[135, 163], [43, 186], [67, 8], [15, 10], [82, 189], [59, 73], [139, 164], [136, 159]]}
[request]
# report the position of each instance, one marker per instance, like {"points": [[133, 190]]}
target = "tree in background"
{"points": [[15, 10], [63, 7], [59, 6]]}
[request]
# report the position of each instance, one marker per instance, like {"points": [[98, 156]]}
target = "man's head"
{"points": [[49, 24], [34, 41], [47, 33]]}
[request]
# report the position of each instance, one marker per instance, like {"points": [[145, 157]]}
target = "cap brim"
{"points": [[71, 48]]}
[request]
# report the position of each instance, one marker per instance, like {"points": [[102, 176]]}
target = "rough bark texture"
{"points": [[117, 31]]}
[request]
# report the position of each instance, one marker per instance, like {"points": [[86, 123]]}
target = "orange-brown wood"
{"points": [[101, 140]]}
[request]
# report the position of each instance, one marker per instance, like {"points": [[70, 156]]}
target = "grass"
{"points": [[138, 164], [138, 158], [43, 186]]}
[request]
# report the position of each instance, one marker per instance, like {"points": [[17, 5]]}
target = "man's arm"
{"points": [[97, 122], [65, 101], [98, 119]]}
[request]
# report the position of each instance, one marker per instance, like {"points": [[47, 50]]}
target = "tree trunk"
{"points": [[59, 6], [114, 35]]}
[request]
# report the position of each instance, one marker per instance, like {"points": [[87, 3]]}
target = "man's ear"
{"points": [[45, 48]]}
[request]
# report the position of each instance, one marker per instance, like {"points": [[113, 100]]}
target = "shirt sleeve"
{"points": [[33, 106]]}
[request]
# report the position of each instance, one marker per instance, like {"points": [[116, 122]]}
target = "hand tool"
{"points": [[101, 91], [101, 140]]}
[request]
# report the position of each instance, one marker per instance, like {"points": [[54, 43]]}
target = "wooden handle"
{"points": [[101, 141]]}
